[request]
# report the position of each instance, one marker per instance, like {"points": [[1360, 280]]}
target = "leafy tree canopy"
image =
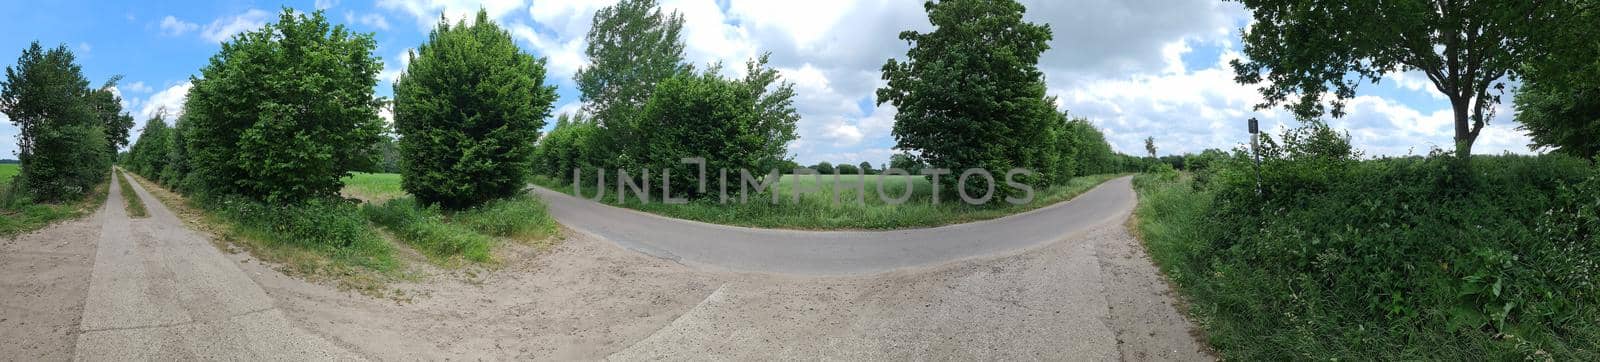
{"points": [[63, 148], [970, 94], [1300, 50], [281, 112], [468, 109]]}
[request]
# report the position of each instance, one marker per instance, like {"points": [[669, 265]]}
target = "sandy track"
{"points": [[161, 291], [44, 276]]}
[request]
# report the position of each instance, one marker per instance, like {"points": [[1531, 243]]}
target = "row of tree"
{"points": [[960, 105], [283, 112], [646, 108], [70, 132]]}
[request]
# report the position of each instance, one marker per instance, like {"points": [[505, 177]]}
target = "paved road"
{"points": [[162, 291], [840, 252]]}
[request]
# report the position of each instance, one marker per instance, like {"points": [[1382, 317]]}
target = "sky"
{"points": [[1135, 68]]}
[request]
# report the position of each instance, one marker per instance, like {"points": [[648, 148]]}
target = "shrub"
{"points": [[733, 123], [1384, 254], [468, 109], [574, 143], [281, 112]]}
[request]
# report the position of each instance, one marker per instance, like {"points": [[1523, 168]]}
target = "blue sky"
{"points": [[1135, 68]]}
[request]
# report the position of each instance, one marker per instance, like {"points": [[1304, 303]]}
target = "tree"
{"points": [[632, 47], [283, 111], [847, 169], [1150, 146], [572, 144], [735, 124], [970, 94], [107, 105], [1467, 49], [866, 167], [1559, 101], [824, 168], [62, 144], [1082, 150], [468, 109], [148, 156], [906, 161]]}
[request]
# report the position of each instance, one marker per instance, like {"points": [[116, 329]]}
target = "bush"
{"points": [[282, 112], [574, 143], [468, 109], [735, 124], [1382, 256]]}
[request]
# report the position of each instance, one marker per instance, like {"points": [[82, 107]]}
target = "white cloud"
{"points": [[170, 101], [172, 26], [326, 4], [375, 21], [223, 28], [137, 87]]}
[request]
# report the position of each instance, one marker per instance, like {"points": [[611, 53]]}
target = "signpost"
{"points": [[1255, 136]]}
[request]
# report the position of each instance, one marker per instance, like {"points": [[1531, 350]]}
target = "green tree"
{"points": [[823, 168], [62, 145], [632, 47], [866, 167], [148, 156], [735, 124], [847, 169], [1559, 101], [572, 144], [906, 161], [107, 105], [970, 94], [1467, 49], [468, 109], [281, 113], [1150, 146]]}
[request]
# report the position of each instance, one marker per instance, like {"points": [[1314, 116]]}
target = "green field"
{"points": [[373, 187], [7, 171], [818, 211]]}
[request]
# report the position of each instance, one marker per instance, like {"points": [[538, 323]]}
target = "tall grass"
{"points": [[818, 210], [316, 239], [470, 234], [20, 214]]}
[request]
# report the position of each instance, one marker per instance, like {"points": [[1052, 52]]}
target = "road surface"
{"points": [[826, 253], [160, 291]]}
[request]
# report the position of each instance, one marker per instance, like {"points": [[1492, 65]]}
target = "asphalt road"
{"points": [[839, 252], [161, 291]]}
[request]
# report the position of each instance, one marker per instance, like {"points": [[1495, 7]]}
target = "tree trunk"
{"points": [[1464, 137]]}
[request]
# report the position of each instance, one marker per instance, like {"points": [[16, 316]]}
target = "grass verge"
{"points": [[1390, 259], [135, 205], [320, 241], [19, 214], [818, 211], [450, 237]]}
